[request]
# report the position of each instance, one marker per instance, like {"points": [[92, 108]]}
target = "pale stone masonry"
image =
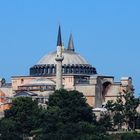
{"points": [[65, 68], [59, 58]]}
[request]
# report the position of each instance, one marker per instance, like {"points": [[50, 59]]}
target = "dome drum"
{"points": [[50, 69]]}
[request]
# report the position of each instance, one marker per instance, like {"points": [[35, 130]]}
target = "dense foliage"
{"points": [[20, 119], [126, 136], [123, 111], [67, 117]]}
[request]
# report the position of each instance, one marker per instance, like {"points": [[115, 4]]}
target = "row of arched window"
{"points": [[40, 70]]}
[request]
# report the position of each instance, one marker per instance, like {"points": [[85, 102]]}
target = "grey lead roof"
{"points": [[70, 44], [70, 57]]}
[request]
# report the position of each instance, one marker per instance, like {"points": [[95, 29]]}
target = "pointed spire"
{"points": [[71, 45], [59, 39]]}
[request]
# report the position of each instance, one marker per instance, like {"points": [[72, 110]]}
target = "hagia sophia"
{"points": [[63, 68]]}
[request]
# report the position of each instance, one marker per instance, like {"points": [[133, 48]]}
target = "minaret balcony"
{"points": [[59, 58]]}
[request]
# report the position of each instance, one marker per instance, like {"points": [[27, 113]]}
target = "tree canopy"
{"points": [[20, 119], [69, 117], [123, 110], [72, 104]]}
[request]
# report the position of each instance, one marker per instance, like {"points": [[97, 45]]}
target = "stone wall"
{"points": [[88, 91]]}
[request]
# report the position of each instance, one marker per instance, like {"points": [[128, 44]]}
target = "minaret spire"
{"points": [[59, 58], [70, 44], [59, 39]]}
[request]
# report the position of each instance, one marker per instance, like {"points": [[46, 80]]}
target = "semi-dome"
{"points": [[70, 58], [41, 81]]}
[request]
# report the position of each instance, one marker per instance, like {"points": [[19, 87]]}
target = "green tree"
{"points": [[20, 119], [7, 130], [123, 110], [69, 117], [131, 103], [116, 111], [119, 112], [105, 122], [72, 104]]}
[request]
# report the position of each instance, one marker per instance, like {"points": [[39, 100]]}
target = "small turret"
{"points": [[71, 44]]}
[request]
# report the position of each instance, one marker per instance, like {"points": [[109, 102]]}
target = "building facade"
{"points": [[75, 73]]}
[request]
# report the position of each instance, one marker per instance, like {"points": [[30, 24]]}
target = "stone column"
{"points": [[59, 58], [98, 94], [59, 75]]}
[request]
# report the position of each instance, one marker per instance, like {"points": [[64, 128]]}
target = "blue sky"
{"points": [[105, 32]]}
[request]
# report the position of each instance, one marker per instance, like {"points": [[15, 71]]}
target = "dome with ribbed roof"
{"points": [[72, 64], [70, 58]]}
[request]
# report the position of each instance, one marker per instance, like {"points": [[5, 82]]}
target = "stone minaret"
{"points": [[59, 58]]}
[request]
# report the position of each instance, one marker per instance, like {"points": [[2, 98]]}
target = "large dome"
{"points": [[73, 63], [70, 58]]}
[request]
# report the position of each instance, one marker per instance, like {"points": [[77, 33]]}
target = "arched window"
{"points": [[106, 86]]}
